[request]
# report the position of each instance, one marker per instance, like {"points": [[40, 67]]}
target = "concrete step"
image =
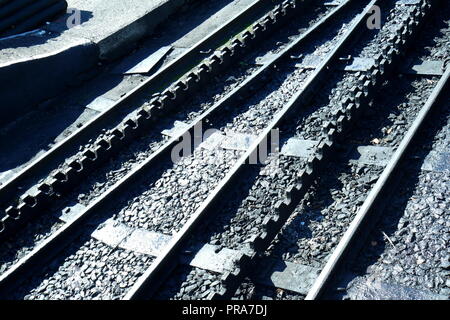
{"points": [[37, 65]]}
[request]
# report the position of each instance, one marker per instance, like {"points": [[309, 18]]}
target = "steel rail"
{"points": [[167, 260], [51, 246], [61, 150], [377, 196]]}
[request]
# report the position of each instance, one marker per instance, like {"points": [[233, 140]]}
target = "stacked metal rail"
{"points": [[17, 16]]}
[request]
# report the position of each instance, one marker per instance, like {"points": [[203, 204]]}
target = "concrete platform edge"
{"points": [[28, 82]]}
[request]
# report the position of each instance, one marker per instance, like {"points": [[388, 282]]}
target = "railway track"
{"points": [[188, 284], [125, 238], [344, 200], [108, 143], [165, 148]]}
